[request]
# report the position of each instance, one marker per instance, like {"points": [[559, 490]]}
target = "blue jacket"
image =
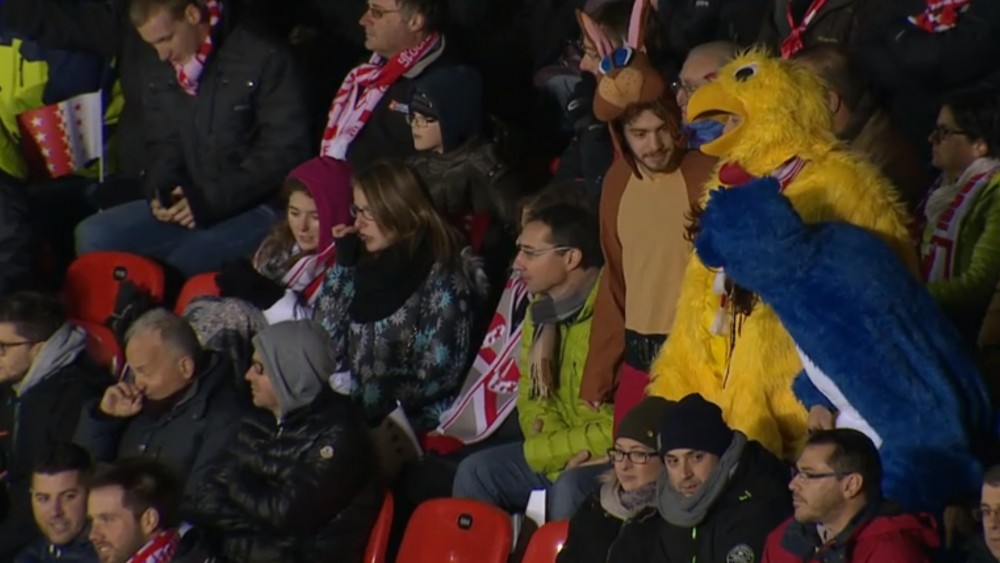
{"points": [[875, 346]]}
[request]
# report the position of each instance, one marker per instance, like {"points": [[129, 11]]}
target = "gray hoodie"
{"points": [[59, 351], [298, 359]]}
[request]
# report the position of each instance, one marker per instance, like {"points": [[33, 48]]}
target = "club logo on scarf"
{"points": [[740, 554]]}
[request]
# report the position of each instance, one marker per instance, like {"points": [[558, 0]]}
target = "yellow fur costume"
{"points": [[784, 115]]}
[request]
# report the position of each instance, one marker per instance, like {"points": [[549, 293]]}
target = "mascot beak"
{"points": [[712, 101]]}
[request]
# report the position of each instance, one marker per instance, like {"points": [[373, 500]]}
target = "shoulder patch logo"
{"points": [[326, 452], [740, 554]]}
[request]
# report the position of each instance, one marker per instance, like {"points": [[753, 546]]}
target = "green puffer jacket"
{"points": [[568, 425], [966, 295]]}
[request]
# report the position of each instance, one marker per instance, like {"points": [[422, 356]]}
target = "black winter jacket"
{"points": [[755, 502], [230, 146], [301, 490], [45, 415], [15, 240], [100, 27], [79, 550], [597, 536], [188, 436]]}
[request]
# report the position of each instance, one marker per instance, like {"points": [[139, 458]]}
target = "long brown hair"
{"points": [[665, 107], [281, 239], [402, 207]]}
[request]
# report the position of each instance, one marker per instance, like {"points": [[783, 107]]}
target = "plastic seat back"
{"points": [[102, 346], [546, 543], [196, 286], [91, 285], [457, 531], [378, 541]]}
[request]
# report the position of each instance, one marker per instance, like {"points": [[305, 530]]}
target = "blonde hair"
{"points": [[402, 207]]}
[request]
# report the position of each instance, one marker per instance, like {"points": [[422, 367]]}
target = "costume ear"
{"points": [[595, 34], [637, 25]]}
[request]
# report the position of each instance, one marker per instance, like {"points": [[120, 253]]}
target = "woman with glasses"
{"points": [[960, 246], [626, 500], [399, 302]]}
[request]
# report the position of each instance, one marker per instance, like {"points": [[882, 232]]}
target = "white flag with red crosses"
{"points": [[59, 139]]}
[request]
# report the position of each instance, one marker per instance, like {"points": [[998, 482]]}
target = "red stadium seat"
{"points": [[92, 280], [102, 346], [546, 543], [196, 286], [378, 541], [457, 531]]}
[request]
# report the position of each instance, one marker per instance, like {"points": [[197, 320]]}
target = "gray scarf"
{"points": [[548, 313], [688, 512], [624, 504], [59, 351]]}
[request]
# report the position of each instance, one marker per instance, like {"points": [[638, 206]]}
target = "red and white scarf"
{"points": [[302, 283], [189, 73], [159, 549], [794, 42], [363, 89], [785, 175], [940, 15], [947, 206]]}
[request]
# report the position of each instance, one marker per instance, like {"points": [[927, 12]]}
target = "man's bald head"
{"points": [[701, 66]]}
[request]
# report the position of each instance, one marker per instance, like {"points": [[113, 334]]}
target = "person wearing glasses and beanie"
{"points": [[840, 514], [626, 501], [722, 496], [461, 168], [960, 248]]}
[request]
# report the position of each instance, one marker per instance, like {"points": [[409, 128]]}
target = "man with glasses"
{"points": [[840, 514], [723, 492], [700, 67], [45, 376], [177, 403], [986, 548], [559, 259], [406, 39]]}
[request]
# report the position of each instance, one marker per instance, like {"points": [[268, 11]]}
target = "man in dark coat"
{"points": [[300, 486], [722, 496], [178, 404], [46, 376], [225, 121]]}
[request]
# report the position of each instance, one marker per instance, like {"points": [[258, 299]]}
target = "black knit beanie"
{"points": [[694, 424], [642, 423], [453, 95]]}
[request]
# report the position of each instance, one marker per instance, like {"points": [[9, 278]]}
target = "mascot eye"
{"points": [[744, 73]]}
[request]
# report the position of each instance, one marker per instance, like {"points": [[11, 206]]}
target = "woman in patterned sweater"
{"points": [[399, 303]]}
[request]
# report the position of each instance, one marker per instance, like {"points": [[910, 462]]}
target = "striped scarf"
{"points": [[940, 15], [159, 549], [189, 73], [363, 89]]}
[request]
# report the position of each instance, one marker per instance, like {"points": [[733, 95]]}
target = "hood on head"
{"points": [[454, 96], [329, 183], [783, 106], [298, 359]]}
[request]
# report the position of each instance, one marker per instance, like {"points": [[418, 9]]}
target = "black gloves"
{"points": [[239, 279], [348, 250], [581, 107]]}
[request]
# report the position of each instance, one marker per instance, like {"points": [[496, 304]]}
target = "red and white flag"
{"points": [[59, 139]]}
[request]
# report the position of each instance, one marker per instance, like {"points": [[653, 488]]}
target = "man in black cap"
{"points": [[723, 494]]}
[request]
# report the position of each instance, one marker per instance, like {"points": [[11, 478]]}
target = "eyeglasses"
{"points": [[798, 475], [4, 346], [414, 119], [378, 13], [678, 86], [942, 132], [637, 457], [363, 212], [985, 512], [532, 253]]}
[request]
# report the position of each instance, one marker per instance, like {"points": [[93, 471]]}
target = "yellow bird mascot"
{"points": [[725, 344]]}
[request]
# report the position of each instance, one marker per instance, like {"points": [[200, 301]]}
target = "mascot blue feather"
{"points": [[874, 345]]}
